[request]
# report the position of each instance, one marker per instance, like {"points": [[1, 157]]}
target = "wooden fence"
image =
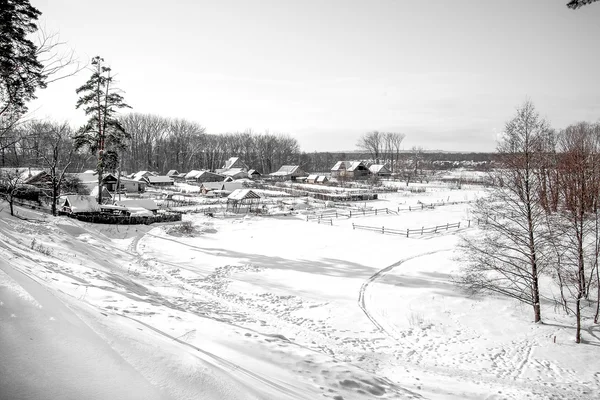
{"points": [[337, 213], [409, 232]]}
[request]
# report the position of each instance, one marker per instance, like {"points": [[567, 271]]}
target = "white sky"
{"points": [[448, 74]]}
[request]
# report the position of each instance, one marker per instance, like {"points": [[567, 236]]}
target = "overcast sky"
{"points": [[447, 73]]}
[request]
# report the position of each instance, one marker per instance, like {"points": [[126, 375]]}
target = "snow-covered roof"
{"points": [[347, 165], [213, 185], [241, 194], [379, 168], [234, 162], [322, 178], [142, 174], [253, 172], [312, 177], [159, 179], [80, 203], [288, 170], [234, 171], [339, 165], [148, 204], [195, 174], [353, 165], [173, 172]]}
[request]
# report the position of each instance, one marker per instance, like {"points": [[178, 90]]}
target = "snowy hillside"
{"points": [[271, 308]]}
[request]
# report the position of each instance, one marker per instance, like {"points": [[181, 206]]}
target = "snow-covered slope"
{"points": [[269, 308]]}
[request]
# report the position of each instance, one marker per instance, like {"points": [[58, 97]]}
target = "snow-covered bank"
{"points": [[276, 308]]}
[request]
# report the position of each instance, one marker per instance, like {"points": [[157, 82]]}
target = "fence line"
{"points": [[408, 232], [351, 213]]}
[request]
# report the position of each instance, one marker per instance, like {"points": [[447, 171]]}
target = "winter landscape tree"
{"points": [[103, 133], [21, 73], [509, 257], [56, 152]]}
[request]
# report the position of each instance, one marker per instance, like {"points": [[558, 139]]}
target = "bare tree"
{"points": [[372, 142], [577, 222], [10, 182], [510, 254], [56, 153]]}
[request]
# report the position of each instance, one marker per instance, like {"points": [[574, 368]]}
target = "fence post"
{"points": [[458, 225], [422, 229], [375, 211], [422, 206], [408, 230], [353, 226], [382, 230], [350, 213], [468, 226], [331, 222], [447, 226]]}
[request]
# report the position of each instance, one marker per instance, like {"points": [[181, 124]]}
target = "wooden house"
{"points": [[380, 170], [350, 170], [289, 172], [159, 180], [203, 176], [79, 204]]}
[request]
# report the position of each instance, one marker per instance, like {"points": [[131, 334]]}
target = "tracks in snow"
{"points": [[377, 275]]}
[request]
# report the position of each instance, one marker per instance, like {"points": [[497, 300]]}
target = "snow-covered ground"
{"points": [[271, 308]]}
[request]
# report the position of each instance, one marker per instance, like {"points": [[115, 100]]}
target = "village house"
{"points": [[159, 180], [203, 176], [254, 174], [235, 173], [233, 163], [134, 205], [350, 170], [289, 172], [380, 170], [132, 186], [78, 204], [90, 180]]}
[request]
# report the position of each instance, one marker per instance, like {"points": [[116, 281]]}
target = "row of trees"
{"points": [[159, 144], [541, 218], [383, 147]]}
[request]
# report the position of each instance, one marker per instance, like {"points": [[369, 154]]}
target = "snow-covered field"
{"points": [[271, 308]]}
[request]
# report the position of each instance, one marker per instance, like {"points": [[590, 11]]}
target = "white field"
{"points": [[271, 308]]}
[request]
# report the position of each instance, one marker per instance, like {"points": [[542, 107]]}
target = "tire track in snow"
{"points": [[377, 275]]}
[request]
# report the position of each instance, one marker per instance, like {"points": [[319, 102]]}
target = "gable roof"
{"points": [[234, 171], [234, 162], [159, 179], [148, 204], [242, 194], [379, 169], [339, 166], [141, 174], [173, 172], [80, 203], [253, 172], [286, 170], [87, 177], [354, 165]]}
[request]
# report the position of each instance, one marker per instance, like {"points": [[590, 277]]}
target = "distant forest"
{"points": [[161, 144]]}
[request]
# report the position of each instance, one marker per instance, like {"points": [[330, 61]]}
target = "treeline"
{"points": [[156, 144], [541, 219]]}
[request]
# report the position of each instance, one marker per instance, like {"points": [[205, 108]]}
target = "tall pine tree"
{"points": [[103, 134], [21, 73]]}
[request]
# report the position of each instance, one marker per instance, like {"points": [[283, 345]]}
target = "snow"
{"points": [[272, 308]]}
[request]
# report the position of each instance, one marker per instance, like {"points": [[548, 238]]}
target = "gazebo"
{"points": [[241, 200]]}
